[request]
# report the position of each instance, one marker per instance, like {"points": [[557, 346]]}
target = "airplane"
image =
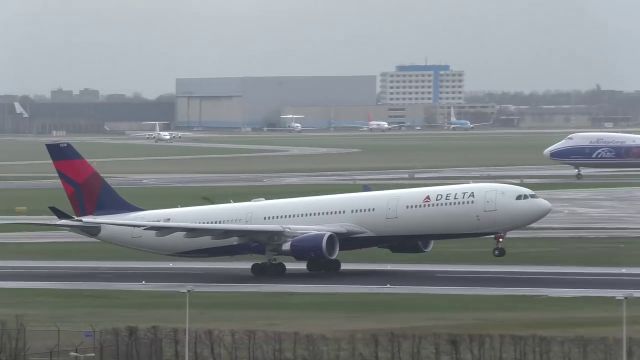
{"points": [[292, 126], [312, 229], [455, 124], [597, 150], [383, 126], [158, 135]]}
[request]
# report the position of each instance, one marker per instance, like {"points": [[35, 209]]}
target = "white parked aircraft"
{"points": [[291, 126], [373, 125], [597, 150], [312, 229], [158, 135]]}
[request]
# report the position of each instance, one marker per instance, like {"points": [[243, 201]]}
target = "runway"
{"points": [[355, 278]]}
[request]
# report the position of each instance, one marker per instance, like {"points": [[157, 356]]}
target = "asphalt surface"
{"points": [[553, 281]]}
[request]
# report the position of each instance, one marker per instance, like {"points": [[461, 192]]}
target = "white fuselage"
{"points": [[163, 136], [597, 149], [379, 125], [439, 212]]}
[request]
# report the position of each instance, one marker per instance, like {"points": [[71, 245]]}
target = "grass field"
{"points": [[379, 152], [321, 313], [32, 150]]}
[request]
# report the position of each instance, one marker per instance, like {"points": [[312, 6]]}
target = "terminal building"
{"points": [[258, 102]]}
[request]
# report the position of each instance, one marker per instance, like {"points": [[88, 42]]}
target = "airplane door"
{"points": [[490, 200], [248, 217], [392, 208]]}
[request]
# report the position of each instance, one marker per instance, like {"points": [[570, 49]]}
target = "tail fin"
{"points": [[87, 191]]}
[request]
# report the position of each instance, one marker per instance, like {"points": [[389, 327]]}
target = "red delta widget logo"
{"points": [[450, 196]]}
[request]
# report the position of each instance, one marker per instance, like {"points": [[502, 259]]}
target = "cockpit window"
{"points": [[533, 196], [525, 197], [519, 197], [569, 138]]}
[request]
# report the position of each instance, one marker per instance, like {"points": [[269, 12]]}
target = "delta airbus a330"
{"points": [[597, 150], [312, 229]]}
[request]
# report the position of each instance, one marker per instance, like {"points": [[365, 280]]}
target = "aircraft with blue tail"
{"points": [[312, 229], [456, 124]]}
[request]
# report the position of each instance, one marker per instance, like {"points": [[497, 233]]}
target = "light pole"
{"points": [[624, 323], [186, 330]]}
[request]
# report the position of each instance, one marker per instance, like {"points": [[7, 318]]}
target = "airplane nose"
{"points": [[547, 152], [545, 208]]}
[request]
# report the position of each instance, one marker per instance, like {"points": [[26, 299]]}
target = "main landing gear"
{"points": [[276, 268], [499, 250], [326, 265], [268, 268], [578, 173]]}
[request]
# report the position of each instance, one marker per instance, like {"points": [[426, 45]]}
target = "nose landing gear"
{"points": [[499, 250], [578, 173]]}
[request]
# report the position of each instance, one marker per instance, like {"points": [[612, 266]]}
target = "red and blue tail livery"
{"points": [[87, 191]]}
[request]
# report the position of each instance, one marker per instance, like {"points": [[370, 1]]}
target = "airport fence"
{"points": [[156, 343]]}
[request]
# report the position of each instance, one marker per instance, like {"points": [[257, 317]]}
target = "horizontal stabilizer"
{"points": [[60, 214]]}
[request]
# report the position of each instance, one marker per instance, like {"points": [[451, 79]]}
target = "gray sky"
{"points": [[143, 45]]}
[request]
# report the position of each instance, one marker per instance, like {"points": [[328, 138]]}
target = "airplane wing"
{"points": [[223, 231], [219, 231], [143, 134], [172, 133]]}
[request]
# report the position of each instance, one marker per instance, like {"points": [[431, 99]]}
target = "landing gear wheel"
{"points": [[268, 269], [499, 252], [332, 265], [314, 265], [326, 265], [277, 269], [259, 269], [578, 174]]}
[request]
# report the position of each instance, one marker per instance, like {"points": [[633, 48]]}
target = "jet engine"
{"points": [[317, 245], [410, 247]]}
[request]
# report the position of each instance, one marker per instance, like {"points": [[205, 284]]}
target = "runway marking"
{"points": [[543, 276]]}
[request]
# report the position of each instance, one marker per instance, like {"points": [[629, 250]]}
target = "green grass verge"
{"points": [[322, 313], [623, 252], [379, 152], [30, 150]]}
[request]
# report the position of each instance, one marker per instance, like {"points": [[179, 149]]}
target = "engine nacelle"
{"points": [[317, 245], [411, 247]]}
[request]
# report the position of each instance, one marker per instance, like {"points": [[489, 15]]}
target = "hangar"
{"points": [[257, 102]]}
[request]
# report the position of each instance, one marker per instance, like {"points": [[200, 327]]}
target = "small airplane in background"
{"points": [[292, 126], [158, 135], [383, 126], [455, 124], [597, 150]]}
